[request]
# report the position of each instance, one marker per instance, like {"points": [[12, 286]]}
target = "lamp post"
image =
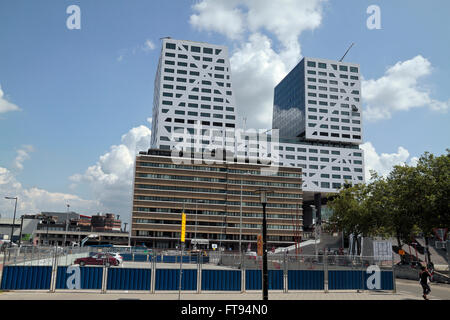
{"points": [[313, 207], [263, 193], [20, 233], [14, 219], [240, 208], [67, 218]]}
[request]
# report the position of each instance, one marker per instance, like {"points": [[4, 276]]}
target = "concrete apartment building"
{"points": [[211, 197]]}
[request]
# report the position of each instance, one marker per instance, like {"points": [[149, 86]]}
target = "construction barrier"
{"points": [[359, 280], [236, 273], [76, 277], [306, 280], [26, 278], [221, 280], [129, 279], [253, 279], [169, 279]]}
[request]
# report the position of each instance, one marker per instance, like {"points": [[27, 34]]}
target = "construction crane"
{"points": [[346, 52]]}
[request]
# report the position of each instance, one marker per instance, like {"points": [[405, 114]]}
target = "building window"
{"points": [[170, 46]]}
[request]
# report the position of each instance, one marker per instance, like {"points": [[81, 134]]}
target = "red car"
{"points": [[98, 259]]}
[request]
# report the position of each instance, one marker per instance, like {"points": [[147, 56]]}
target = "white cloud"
{"points": [[149, 45], [22, 155], [383, 163], [111, 178], [257, 63], [35, 200], [399, 90], [222, 16], [5, 105], [256, 69]]}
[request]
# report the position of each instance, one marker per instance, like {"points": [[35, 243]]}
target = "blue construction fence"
{"points": [[105, 279]]}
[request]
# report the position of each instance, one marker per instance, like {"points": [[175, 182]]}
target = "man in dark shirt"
{"points": [[424, 275]]}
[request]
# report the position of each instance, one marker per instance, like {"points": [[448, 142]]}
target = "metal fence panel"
{"points": [[90, 277], [305, 280], [127, 256], [253, 279], [140, 257], [128, 279], [168, 279], [345, 280], [26, 278], [221, 280]]}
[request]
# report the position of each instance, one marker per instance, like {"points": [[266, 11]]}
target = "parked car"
{"points": [[117, 256], [98, 259]]}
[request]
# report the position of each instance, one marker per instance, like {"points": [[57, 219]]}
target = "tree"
{"points": [[349, 211], [433, 193], [410, 199]]}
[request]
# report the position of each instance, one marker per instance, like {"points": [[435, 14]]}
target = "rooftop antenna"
{"points": [[346, 52]]}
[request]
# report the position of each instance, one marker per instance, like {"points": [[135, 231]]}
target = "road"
{"points": [[439, 291]]}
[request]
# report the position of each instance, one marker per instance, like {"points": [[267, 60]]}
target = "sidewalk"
{"points": [[256, 295]]}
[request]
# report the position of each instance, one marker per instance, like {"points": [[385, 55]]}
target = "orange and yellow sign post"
{"points": [[260, 245], [183, 226]]}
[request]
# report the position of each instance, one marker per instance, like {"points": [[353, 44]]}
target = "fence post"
{"points": [[104, 278], [153, 273], [285, 272], [362, 274], [243, 275], [325, 271], [393, 277], [54, 271]]}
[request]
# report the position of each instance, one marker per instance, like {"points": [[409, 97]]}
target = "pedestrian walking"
{"points": [[424, 275]]}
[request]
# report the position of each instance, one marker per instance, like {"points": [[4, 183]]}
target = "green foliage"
{"points": [[411, 199]]}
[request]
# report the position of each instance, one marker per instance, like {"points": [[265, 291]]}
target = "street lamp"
{"points": [[263, 193], [20, 233], [313, 207], [67, 217], [14, 219]]}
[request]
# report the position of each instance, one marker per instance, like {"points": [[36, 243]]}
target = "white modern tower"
{"points": [[193, 98]]}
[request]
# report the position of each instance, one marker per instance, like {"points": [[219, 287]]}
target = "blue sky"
{"points": [[79, 93]]}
